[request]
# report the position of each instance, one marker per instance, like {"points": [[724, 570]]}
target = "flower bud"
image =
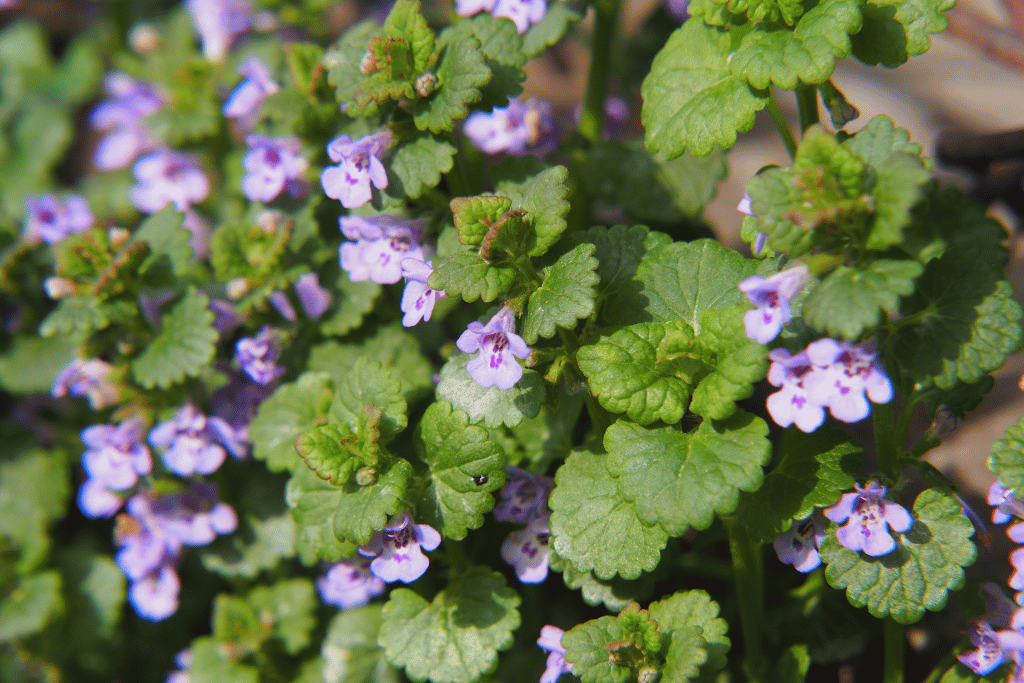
{"points": [[425, 84], [366, 476], [238, 287], [144, 38], [117, 237], [59, 287], [368, 64], [647, 674]]}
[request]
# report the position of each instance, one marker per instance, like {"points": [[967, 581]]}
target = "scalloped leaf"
{"points": [[568, 293], [895, 30], [927, 563], [465, 468], [544, 198], [368, 384], [681, 480], [183, 348], [292, 409], [595, 527], [586, 649], [466, 275], [461, 74], [417, 165], [692, 99], [1007, 457], [458, 635], [684, 610]]}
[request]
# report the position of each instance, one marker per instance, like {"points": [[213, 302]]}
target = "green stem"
{"points": [[456, 557], [807, 105], [887, 448], [893, 636], [781, 125], [600, 418], [749, 572], [592, 119], [579, 198]]}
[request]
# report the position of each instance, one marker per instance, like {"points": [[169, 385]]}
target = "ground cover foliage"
{"points": [[325, 350]]}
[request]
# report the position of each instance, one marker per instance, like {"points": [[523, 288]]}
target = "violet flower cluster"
{"points": [[245, 104], [151, 537], [999, 636], [219, 23], [88, 377], [551, 642], [350, 583], [525, 501], [258, 356], [523, 13], [123, 119], [866, 517], [523, 127], [499, 346], [418, 298], [314, 299], [193, 443], [358, 165], [115, 458], [378, 245], [50, 219]]}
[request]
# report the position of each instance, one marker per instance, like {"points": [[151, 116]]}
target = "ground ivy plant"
{"points": [[328, 355]]}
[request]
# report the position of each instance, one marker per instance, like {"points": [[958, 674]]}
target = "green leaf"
{"points": [[734, 363], [474, 216], [352, 301], [236, 625], [211, 664], [417, 165], [839, 108], [1007, 457], [30, 605], [350, 651], [288, 606], [468, 276], [879, 140], [649, 188], [813, 470], [342, 63], [335, 451], [808, 54], [502, 48], [314, 503], [544, 198], [552, 27], [619, 250], [681, 280], [185, 345], [614, 593], [586, 649], [457, 636], [367, 383], [81, 315], [897, 189], [894, 30], [244, 249], [167, 239], [643, 371], [292, 409], [791, 666], [682, 611], [95, 593], [461, 74], [595, 527], [692, 99], [679, 480], [969, 321], [852, 299], [927, 563], [465, 468], [30, 364], [567, 294], [364, 509], [491, 405], [405, 19], [960, 400], [393, 346], [34, 490]]}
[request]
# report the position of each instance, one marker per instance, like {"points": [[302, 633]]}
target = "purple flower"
{"points": [[123, 116], [524, 496], [283, 304], [271, 165], [521, 12], [870, 516], [378, 247], [96, 500], [678, 10], [218, 23], [848, 372], [164, 178], [616, 116], [551, 641], [527, 550], [999, 609], [991, 648], [518, 129], [195, 516], [258, 356], [398, 549], [744, 207], [793, 404], [183, 661], [116, 455], [1007, 506], [48, 219], [235, 405], [145, 544], [799, 545], [349, 584], [315, 300], [246, 102], [189, 441], [155, 596], [418, 299], [499, 346], [1017, 577], [772, 297], [87, 377], [226, 317], [358, 166]]}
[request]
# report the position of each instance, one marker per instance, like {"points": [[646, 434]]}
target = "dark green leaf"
{"points": [[288, 606], [183, 348], [1007, 457], [32, 603], [468, 276], [897, 29], [350, 651], [461, 74], [491, 405], [368, 384], [852, 299], [418, 164], [544, 198], [566, 294]]}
